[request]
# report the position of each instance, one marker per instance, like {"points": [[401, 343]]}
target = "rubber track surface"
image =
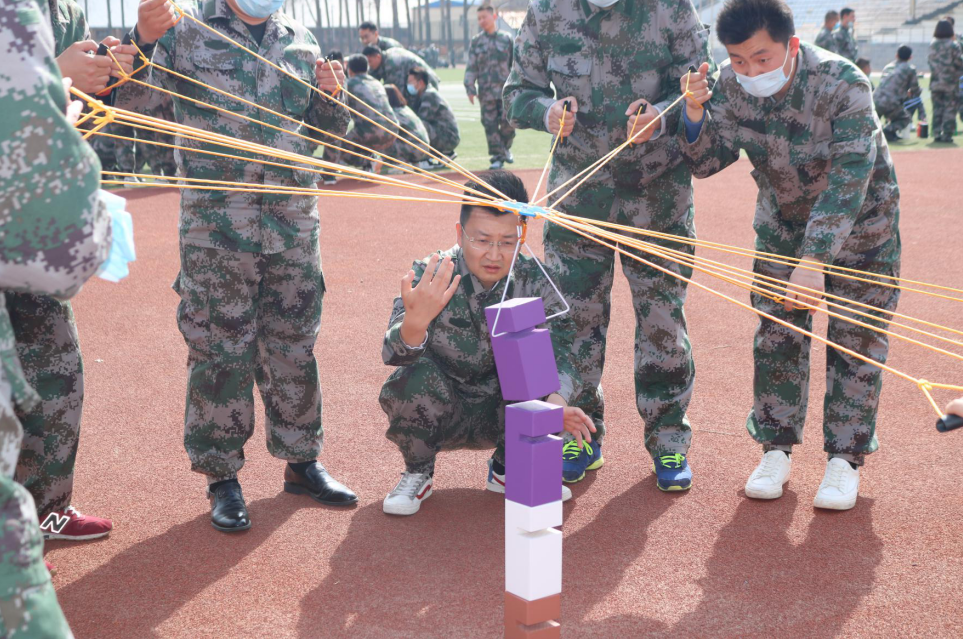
{"points": [[637, 562]]}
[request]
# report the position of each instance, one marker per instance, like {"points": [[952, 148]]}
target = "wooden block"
{"points": [[533, 563], [517, 315], [529, 613], [532, 518], [533, 469], [526, 365], [534, 418]]}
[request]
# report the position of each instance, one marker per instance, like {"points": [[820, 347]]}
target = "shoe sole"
{"points": [[230, 530], [495, 487], [411, 510], [760, 494], [295, 489], [822, 505], [598, 463], [670, 489], [55, 536]]}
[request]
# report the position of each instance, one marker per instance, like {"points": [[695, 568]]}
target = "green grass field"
{"points": [[531, 147]]}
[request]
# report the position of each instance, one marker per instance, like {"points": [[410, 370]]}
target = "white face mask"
{"points": [[767, 84], [603, 4]]}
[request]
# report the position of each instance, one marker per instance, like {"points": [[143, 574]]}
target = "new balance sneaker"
{"points": [[575, 460], [407, 496], [672, 472], [839, 487], [72, 525], [767, 480], [496, 483]]}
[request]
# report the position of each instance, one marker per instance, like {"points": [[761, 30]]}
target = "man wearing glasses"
{"points": [[444, 393]]}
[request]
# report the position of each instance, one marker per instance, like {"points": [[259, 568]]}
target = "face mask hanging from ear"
{"points": [[259, 8], [766, 85]]}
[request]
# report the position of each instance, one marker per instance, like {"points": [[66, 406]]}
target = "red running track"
{"points": [[637, 562]]}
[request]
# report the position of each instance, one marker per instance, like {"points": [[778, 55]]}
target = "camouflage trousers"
{"points": [[375, 142], [781, 355], [498, 132], [49, 351], [407, 153], [664, 369], [898, 117], [28, 603], [116, 154], [429, 412], [246, 318], [945, 107], [159, 158]]}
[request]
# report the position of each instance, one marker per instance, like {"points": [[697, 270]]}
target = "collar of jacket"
{"points": [[221, 10], [806, 62], [626, 7]]}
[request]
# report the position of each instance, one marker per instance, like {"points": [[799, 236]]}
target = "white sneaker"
{"points": [[840, 486], [496, 483], [767, 480], [407, 496]]}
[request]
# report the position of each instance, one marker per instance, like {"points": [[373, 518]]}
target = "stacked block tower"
{"points": [[533, 468]]}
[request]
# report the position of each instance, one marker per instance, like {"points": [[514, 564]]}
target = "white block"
{"points": [[533, 563], [532, 518]]}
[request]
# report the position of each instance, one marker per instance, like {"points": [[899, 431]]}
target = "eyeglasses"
{"points": [[487, 245]]}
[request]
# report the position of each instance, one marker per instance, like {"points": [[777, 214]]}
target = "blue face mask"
{"points": [[114, 269], [259, 8], [411, 89]]}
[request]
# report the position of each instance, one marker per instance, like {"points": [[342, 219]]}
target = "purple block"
{"points": [[533, 454], [526, 364], [534, 419], [517, 315]]}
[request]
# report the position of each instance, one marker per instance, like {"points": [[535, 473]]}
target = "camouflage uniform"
{"points": [[827, 190], [250, 281], [489, 63], [898, 83], [845, 39], [445, 394], [826, 40], [384, 43], [49, 352], [395, 65], [56, 233], [946, 67], [368, 97], [607, 59], [160, 158], [414, 129], [439, 120]]}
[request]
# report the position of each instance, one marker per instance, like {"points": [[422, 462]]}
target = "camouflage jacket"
{"points": [[240, 221], [54, 229], [819, 154], [458, 338], [69, 24], [395, 65], [411, 123], [946, 65], [489, 63], [606, 59], [898, 83], [384, 43], [368, 97], [826, 40], [436, 116], [845, 39]]}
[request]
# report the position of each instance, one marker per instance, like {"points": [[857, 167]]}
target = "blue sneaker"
{"points": [[672, 472], [575, 460]]}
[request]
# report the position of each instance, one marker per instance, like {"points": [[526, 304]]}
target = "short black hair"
{"points": [[420, 73], [944, 29], [739, 20], [395, 99], [370, 50], [335, 54], [357, 64], [832, 14], [507, 183], [368, 25], [904, 53], [863, 64], [845, 12], [486, 7], [950, 19]]}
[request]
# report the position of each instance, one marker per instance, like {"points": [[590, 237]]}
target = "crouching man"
{"points": [[445, 394]]}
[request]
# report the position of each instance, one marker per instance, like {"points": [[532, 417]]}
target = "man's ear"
{"points": [[460, 234]]}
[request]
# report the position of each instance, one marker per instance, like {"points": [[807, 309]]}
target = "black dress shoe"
{"points": [[228, 511], [317, 484]]}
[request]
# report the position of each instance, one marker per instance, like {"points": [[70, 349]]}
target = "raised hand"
{"points": [[154, 18], [425, 301], [698, 91]]}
